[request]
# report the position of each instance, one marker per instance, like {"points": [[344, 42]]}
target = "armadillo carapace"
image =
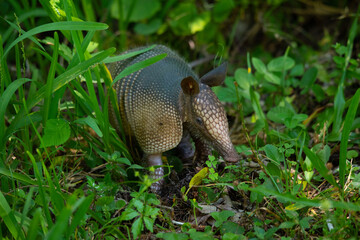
{"points": [[165, 101]]}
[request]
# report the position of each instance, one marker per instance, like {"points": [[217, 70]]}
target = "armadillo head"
{"points": [[205, 115]]}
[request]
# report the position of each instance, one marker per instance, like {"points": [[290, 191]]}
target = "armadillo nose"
{"points": [[233, 157]]}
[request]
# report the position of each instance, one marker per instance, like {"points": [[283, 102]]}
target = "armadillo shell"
{"points": [[149, 99]]}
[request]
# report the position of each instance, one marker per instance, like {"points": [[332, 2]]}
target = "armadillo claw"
{"points": [[157, 175]]}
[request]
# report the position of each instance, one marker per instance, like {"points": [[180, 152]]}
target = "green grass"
{"points": [[66, 173]]}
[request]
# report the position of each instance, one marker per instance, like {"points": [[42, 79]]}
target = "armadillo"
{"points": [[165, 102]]}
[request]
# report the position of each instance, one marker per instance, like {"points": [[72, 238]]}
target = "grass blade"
{"points": [[34, 225], [80, 213], [349, 119], [50, 79], [326, 203], [320, 166], [127, 55], [37, 12], [81, 26], [139, 65], [44, 199], [8, 217], [5, 98], [339, 103], [17, 28], [62, 220], [19, 177]]}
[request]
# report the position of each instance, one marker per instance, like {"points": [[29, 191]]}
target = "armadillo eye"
{"points": [[199, 120]]}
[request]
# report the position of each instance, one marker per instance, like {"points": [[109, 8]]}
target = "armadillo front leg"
{"points": [[155, 160], [202, 150], [185, 150]]}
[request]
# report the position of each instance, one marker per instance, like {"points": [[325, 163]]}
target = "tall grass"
{"points": [[37, 116]]}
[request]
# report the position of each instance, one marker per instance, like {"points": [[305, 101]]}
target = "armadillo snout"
{"points": [[214, 127], [232, 156]]}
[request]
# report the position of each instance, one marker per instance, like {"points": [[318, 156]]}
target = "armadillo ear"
{"points": [[190, 86], [216, 76]]}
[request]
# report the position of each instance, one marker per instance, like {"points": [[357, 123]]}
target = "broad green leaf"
{"points": [[323, 152], [139, 205], [57, 132], [122, 160], [287, 225], [308, 79], [352, 154], [232, 236], [151, 211], [129, 214], [308, 175], [138, 10], [305, 222], [148, 28], [225, 94], [135, 166], [280, 64], [273, 153], [208, 235], [339, 60], [104, 200], [273, 169], [172, 236], [221, 217], [149, 223], [272, 78], [298, 70], [259, 65], [222, 9], [231, 227], [279, 114], [259, 126], [186, 20], [318, 92], [243, 78], [137, 227], [295, 120], [92, 123], [199, 23]]}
